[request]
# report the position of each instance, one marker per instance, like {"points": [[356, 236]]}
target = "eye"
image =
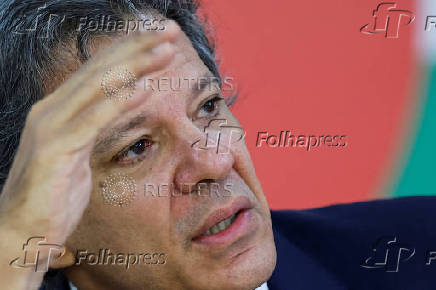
{"points": [[211, 106], [135, 152]]}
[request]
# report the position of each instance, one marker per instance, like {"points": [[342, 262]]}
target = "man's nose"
{"points": [[199, 163]]}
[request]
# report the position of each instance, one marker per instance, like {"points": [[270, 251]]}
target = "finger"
{"points": [[122, 49], [65, 260], [140, 42], [82, 129], [119, 93]]}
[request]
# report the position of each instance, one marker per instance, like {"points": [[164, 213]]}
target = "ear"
{"points": [[65, 259]]}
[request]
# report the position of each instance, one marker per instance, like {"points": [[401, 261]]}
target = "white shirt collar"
{"points": [[72, 287], [262, 287]]}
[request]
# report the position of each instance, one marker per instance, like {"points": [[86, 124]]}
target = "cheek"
{"points": [[164, 209], [244, 165], [245, 168], [105, 225]]}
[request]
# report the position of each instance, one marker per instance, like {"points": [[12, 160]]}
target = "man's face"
{"points": [[173, 221]]}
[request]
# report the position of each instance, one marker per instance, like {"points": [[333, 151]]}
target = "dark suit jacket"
{"points": [[378, 245]]}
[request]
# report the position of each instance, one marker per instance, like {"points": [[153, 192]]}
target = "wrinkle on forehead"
{"points": [[185, 55]]}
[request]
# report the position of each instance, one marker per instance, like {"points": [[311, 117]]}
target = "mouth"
{"points": [[221, 226], [226, 225]]}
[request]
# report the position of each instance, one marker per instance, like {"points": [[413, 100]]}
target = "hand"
{"points": [[49, 184]]}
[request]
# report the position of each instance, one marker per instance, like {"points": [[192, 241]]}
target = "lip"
{"points": [[240, 226]]}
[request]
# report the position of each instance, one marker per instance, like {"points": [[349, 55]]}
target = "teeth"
{"points": [[221, 226]]}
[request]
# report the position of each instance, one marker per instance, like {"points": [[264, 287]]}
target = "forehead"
{"points": [[186, 62]]}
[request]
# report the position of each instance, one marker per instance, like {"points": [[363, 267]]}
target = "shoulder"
{"points": [[54, 280], [389, 209], [341, 245]]}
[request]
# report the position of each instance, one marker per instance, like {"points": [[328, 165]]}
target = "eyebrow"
{"points": [[205, 81], [111, 138], [117, 132]]}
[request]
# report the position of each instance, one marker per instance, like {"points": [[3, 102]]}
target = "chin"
{"points": [[248, 271], [255, 269]]}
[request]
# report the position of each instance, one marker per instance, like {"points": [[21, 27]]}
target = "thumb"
{"points": [[66, 259]]}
